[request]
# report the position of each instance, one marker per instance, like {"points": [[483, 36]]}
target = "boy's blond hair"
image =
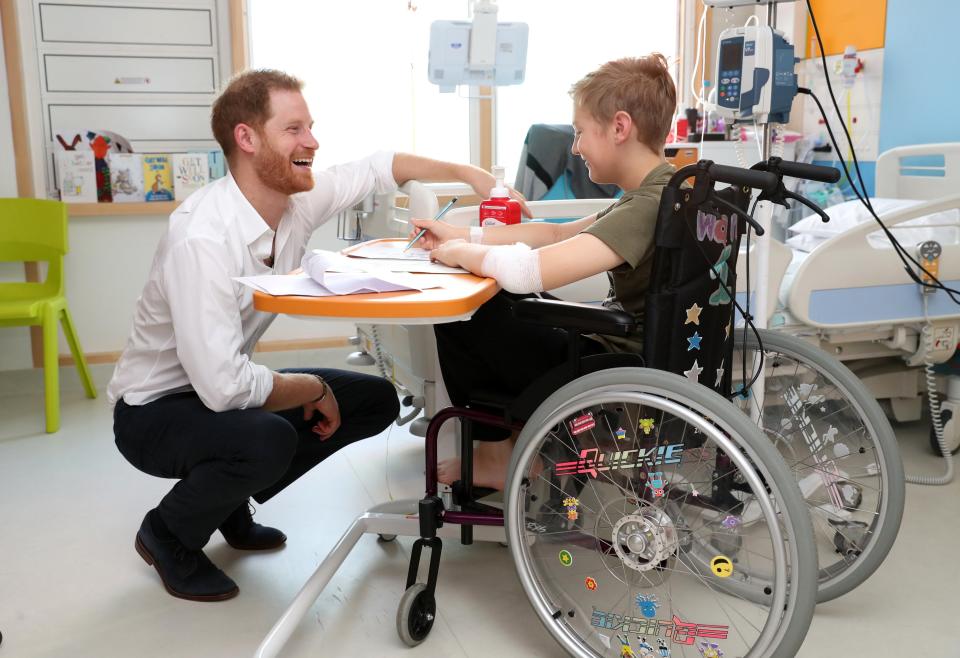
{"points": [[641, 87]]}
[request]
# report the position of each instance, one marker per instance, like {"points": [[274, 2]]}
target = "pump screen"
{"points": [[731, 55]]}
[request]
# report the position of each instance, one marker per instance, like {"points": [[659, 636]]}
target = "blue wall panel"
{"points": [[920, 90]]}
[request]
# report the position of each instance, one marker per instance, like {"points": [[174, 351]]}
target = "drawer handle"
{"points": [[131, 81]]}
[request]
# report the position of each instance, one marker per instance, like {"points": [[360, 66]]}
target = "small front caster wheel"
{"points": [[415, 615], [385, 538]]}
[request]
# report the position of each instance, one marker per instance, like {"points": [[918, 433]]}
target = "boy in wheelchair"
{"points": [[622, 115]]}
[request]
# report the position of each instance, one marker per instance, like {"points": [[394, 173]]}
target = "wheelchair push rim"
{"points": [[842, 450], [653, 555]]}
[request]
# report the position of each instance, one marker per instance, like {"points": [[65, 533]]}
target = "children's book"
{"points": [[218, 164], [191, 171], [157, 177], [126, 177], [77, 175]]}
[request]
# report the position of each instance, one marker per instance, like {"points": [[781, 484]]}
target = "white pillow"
{"points": [[846, 215], [805, 241]]}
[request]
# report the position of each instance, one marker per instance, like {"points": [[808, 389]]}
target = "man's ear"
{"points": [[246, 138], [622, 126]]}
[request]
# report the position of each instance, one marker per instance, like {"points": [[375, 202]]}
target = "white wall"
{"points": [[14, 341]]}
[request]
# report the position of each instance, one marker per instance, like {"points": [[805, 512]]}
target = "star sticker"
{"points": [[693, 314], [694, 373], [694, 341]]}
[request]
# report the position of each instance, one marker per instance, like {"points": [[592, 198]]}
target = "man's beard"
{"points": [[277, 173]]}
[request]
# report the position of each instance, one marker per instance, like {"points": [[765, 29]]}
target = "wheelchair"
{"points": [[646, 514], [666, 503]]}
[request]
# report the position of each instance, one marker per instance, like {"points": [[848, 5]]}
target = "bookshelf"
{"points": [[115, 209]]}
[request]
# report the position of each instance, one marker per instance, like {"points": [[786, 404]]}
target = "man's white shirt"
{"points": [[194, 326]]}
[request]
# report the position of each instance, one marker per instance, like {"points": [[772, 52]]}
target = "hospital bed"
{"points": [[847, 291]]}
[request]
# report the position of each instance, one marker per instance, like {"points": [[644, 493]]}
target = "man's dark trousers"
{"points": [[223, 458]]}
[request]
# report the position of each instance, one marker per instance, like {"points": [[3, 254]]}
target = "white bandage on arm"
{"points": [[516, 268], [476, 234]]}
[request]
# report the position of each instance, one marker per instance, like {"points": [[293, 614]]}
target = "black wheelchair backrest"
{"points": [[689, 305]]}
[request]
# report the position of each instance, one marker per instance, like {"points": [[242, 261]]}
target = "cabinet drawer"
{"points": [[109, 24], [138, 123], [94, 73]]}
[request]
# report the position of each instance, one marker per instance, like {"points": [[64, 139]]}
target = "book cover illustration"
{"points": [[100, 145], [126, 177], [218, 165], [191, 171], [157, 177], [76, 172]]}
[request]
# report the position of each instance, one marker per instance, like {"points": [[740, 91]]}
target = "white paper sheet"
{"points": [[389, 249], [318, 280], [346, 263]]}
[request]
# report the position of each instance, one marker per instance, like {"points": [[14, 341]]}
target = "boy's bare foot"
{"points": [[490, 463]]}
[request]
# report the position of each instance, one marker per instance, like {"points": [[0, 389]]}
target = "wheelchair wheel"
{"points": [[624, 516], [416, 614], [841, 448]]}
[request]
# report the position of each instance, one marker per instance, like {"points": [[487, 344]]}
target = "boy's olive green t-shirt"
{"points": [[627, 227]]}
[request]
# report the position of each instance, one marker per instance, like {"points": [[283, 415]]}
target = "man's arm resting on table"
{"points": [[294, 389], [407, 166]]}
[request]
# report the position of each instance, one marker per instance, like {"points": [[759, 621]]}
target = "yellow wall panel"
{"points": [[860, 23]]}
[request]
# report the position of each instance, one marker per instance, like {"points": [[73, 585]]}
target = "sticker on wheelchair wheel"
{"points": [[582, 423], [621, 434], [570, 505], [590, 584], [721, 566], [710, 650], [565, 558], [646, 425], [730, 521], [648, 604]]}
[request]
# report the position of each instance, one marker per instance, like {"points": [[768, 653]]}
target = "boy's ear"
{"points": [[622, 126]]}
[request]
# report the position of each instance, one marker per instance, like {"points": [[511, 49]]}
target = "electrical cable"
{"points": [[934, 403], [905, 258], [901, 252]]}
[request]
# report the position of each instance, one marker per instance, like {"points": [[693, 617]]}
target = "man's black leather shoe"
{"points": [[185, 574], [242, 533]]}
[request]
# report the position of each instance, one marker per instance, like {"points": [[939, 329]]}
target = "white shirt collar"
{"points": [[252, 225]]}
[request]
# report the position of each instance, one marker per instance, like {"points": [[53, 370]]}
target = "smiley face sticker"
{"points": [[565, 558], [721, 566]]}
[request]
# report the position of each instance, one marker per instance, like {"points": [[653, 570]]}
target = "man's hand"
{"points": [[329, 410], [482, 182]]}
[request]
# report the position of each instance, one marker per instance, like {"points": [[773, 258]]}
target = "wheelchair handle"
{"points": [[760, 180], [782, 167]]}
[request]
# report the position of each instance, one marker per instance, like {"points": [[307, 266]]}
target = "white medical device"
{"points": [[755, 76], [480, 53]]}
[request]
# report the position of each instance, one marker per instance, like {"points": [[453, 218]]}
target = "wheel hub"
{"points": [[644, 539]]}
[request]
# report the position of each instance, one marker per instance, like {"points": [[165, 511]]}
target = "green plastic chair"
{"points": [[36, 230]]}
